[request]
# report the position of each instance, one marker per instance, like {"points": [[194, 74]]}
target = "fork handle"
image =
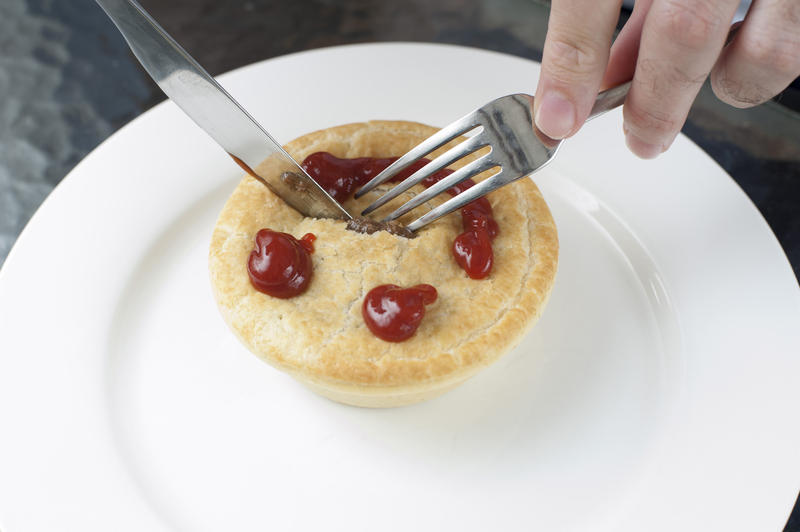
{"points": [[610, 99]]}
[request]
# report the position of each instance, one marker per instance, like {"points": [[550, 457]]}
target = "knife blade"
{"points": [[204, 100]]}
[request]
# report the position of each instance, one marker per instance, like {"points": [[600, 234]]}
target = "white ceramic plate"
{"points": [[658, 392]]}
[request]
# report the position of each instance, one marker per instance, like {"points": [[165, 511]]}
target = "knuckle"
{"points": [[757, 68], [649, 123], [571, 59], [691, 23], [661, 79], [780, 56], [791, 13], [739, 93]]}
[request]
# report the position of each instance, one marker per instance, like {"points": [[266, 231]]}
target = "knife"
{"points": [[217, 113]]}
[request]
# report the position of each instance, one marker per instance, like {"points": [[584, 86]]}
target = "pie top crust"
{"points": [[321, 335]]}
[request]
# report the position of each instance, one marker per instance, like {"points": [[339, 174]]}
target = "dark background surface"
{"points": [[68, 81]]}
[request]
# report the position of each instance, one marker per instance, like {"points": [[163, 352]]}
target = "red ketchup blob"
{"points": [[473, 252], [280, 265], [393, 313], [472, 249], [341, 177]]}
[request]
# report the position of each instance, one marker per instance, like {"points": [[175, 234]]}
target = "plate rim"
{"points": [[58, 191]]}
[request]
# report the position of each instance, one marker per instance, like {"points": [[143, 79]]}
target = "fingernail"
{"points": [[643, 149], [556, 115]]}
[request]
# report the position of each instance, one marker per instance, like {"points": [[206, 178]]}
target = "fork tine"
{"points": [[471, 194], [447, 158], [474, 168], [435, 141], [500, 179]]}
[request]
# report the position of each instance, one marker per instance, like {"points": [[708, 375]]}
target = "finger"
{"points": [[681, 41], [624, 51], [574, 59], [764, 57]]}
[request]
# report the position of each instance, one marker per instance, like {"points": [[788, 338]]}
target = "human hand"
{"points": [[668, 48]]}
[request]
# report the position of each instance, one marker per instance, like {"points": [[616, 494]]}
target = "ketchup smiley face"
{"points": [[280, 265], [393, 313]]}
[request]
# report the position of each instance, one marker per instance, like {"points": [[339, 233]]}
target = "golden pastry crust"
{"points": [[320, 336]]}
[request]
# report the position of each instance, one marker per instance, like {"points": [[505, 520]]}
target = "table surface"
{"points": [[69, 81]]}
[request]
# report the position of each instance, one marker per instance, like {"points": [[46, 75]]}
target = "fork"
{"points": [[517, 147]]}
